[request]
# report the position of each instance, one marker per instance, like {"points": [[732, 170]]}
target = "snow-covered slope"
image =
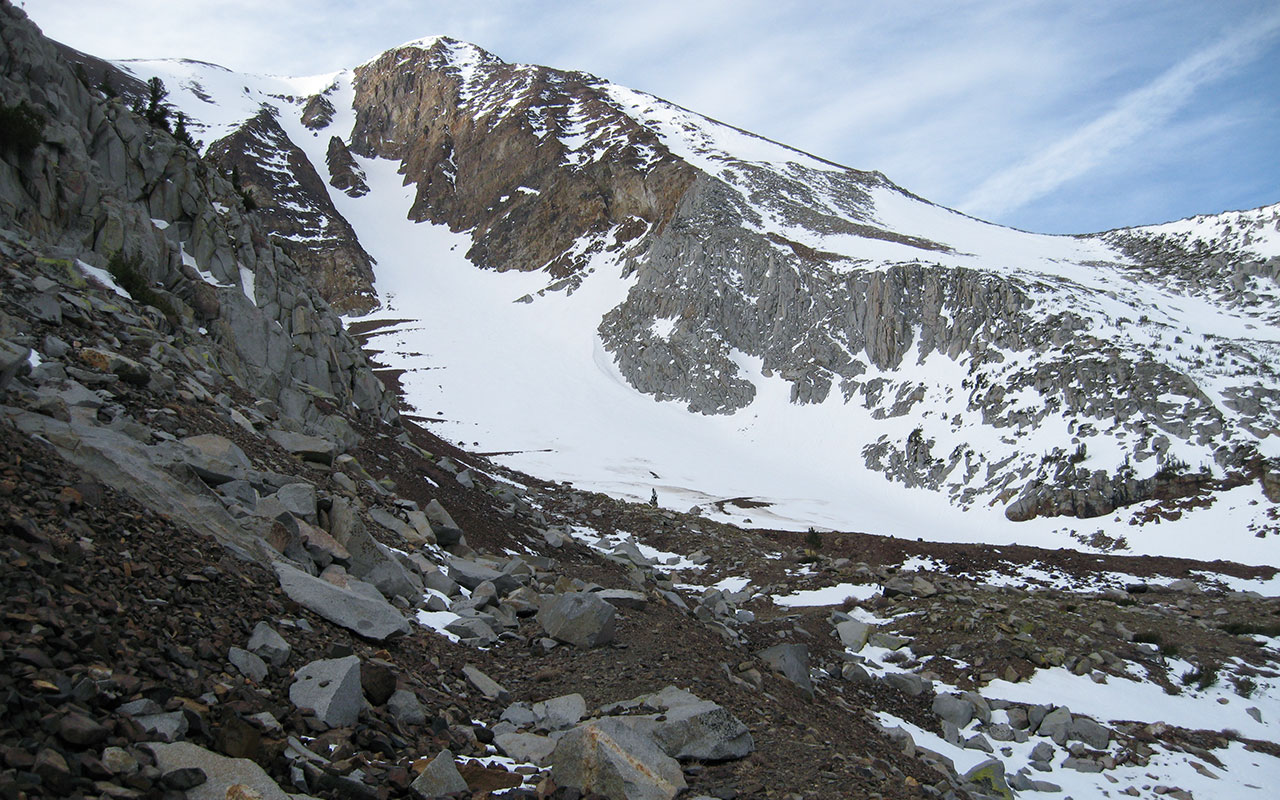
{"points": [[862, 359]]}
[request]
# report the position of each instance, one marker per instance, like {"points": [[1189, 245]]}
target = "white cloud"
{"points": [[1136, 114]]}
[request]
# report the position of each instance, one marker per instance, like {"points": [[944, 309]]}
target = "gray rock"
{"points": [[907, 682], [1002, 732], [1056, 724], [13, 362], [792, 660], [990, 776], [471, 574], [888, 641], [474, 629], [520, 715], [331, 687], [953, 709], [221, 773], [623, 598], [248, 664], [216, 459], [364, 612], [1025, 783], [439, 778], [610, 758], [433, 578], [438, 516], [1090, 732], [853, 634], [1018, 718], [140, 707], [704, 731], [978, 742], [166, 727], [405, 707], [526, 747], [269, 645], [308, 448], [578, 618], [1043, 751], [298, 499], [1081, 764], [487, 686], [559, 713]]}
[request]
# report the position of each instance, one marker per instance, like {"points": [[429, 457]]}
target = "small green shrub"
{"points": [[21, 129], [1244, 685], [1149, 637], [1252, 628], [1203, 676], [128, 273]]}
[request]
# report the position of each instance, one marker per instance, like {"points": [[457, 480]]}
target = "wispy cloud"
{"points": [[1135, 115]]}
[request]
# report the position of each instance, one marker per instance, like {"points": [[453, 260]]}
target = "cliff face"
{"points": [[484, 143], [291, 203], [107, 184]]}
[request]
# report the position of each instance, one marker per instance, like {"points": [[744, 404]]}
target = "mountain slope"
{"points": [[834, 329]]}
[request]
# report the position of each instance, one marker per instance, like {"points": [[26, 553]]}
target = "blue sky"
{"points": [[1059, 117]]}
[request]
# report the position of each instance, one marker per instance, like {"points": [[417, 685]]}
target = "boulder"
{"points": [[364, 612], [405, 707], [471, 574], [14, 361], [578, 618], [792, 661], [608, 757], [216, 459], [221, 773], [1086, 730], [990, 776], [474, 629], [330, 687], [703, 731], [908, 683], [953, 709], [623, 598], [1056, 724], [487, 686], [248, 664], [440, 777], [308, 448], [853, 634], [526, 747], [559, 713], [269, 645], [299, 499]]}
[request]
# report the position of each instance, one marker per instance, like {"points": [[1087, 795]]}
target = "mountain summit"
{"points": [[849, 333]]}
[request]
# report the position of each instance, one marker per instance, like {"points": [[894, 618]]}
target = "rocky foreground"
{"points": [[203, 600]]}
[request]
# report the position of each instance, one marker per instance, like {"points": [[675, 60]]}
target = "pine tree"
{"points": [[181, 133], [157, 112]]}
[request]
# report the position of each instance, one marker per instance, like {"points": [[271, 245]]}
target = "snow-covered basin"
{"points": [[1121, 700], [828, 596]]}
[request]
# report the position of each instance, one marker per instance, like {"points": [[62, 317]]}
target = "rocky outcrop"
{"points": [[292, 203], [344, 173], [105, 184], [538, 164]]}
